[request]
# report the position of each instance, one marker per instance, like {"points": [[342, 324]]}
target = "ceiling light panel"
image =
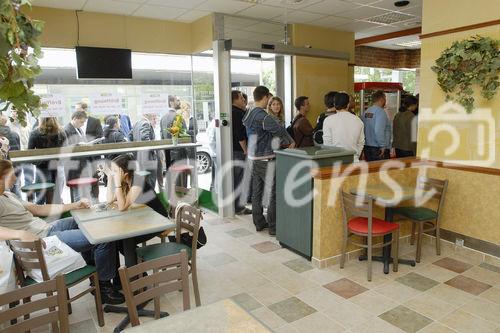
{"points": [[188, 4], [390, 18]]}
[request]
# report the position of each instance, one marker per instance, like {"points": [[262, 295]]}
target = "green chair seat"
{"points": [[69, 278], [38, 187], [416, 213], [156, 251]]}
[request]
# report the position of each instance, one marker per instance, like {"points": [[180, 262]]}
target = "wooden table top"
{"points": [[386, 195], [111, 225], [222, 316]]}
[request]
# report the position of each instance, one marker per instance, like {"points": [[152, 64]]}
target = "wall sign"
{"points": [[154, 103], [105, 104], [55, 106]]}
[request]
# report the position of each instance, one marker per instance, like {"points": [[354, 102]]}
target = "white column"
{"points": [[224, 133]]}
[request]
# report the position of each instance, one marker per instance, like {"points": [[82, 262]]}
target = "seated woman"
{"points": [[20, 217], [126, 187]]}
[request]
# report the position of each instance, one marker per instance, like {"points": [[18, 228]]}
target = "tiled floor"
{"points": [[454, 292]]}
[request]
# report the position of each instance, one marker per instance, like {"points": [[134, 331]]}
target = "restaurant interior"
{"points": [[154, 221]]}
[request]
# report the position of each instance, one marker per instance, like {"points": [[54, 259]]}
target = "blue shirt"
{"points": [[377, 127]]}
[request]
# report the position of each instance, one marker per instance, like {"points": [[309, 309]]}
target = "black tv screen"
{"points": [[103, 63]]}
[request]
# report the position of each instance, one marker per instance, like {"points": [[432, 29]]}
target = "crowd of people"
{"points": [[259, 131]]}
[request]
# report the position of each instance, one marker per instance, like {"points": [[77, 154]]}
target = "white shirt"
{"points": [[344, 130]]}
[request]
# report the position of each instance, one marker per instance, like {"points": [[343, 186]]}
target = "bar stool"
{"points": [[37, 188], [180, 173], [80, 183]]}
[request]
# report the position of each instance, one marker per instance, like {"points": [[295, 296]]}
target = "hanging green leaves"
{"points": [[474, 61], [19, 54]]}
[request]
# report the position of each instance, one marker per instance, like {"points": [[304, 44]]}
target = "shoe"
{"points": [[109, 295], [272, 232], [244, 211], [265, 226]]}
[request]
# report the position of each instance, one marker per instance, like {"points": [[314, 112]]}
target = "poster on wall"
{"points": [[55, 106], [105, 104], [154, 103]]}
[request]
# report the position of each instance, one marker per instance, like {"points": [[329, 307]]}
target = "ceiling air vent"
{"points": [[390, 18]]}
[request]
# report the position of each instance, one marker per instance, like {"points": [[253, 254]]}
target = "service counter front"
{"points": [[471, 211]]}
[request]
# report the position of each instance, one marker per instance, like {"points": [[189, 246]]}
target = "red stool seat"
{"points": [[77, 182], [379, 227], [181, 168]]}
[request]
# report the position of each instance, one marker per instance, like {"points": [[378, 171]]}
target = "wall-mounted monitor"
{"points": [[103, 63]]}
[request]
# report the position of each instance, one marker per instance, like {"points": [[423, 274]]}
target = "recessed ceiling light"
{"points": [[412, 43], [401, 3]]}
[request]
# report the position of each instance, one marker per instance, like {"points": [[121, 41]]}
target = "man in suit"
{"points": [[143, 130], [174, 104], [93, 130], [75, 135]]}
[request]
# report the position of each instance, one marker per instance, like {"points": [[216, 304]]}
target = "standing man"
{"points": [[302, 129], [239, 150], [377, 129], [166, 121], [92, 129], [262, 130], [75, 135], [143, 130]]}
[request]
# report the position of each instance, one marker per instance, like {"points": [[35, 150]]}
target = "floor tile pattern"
{"points": [[455, 292]]}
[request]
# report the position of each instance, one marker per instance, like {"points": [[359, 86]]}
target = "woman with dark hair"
{"points": [[404, 128], [112, 133], [48, 134], [127, 187]]}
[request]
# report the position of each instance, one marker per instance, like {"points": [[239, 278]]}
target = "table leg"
{"points": [[130, 260], [389, 216]]}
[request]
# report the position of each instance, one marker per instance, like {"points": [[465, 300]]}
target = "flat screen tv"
{"points": [[103, 63]]}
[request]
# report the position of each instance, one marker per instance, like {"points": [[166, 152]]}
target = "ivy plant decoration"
{"points": [[19, 54], [473, 61]]}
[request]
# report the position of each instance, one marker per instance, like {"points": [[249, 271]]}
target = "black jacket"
{"points": [[143, 131], [40, 140], [13, 137], [94, 129], [72, 136]]}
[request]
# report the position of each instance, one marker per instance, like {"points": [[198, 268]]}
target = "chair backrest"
{"points": [[437, 185], [49, 302], [171, 271], [356, 206], [27, 256], [188, 218]]}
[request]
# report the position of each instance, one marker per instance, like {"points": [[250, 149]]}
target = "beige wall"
{"points": [[453, 14], [470, 206], [314, 77], [138, 34]]}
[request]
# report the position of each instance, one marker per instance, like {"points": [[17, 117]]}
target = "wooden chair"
{"points": [[29, 255], [187, 218], [57, 318], [358, 220], [171, 271], [423, 216]]}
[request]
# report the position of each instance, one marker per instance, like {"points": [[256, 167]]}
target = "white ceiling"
{"points": [[365, 18]]}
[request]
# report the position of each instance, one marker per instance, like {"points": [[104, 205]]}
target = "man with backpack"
{"points": [[302, 129], [265, 134]]}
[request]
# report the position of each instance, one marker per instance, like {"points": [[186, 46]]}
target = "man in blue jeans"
{"points": [[20, 219], [265, 134]]}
